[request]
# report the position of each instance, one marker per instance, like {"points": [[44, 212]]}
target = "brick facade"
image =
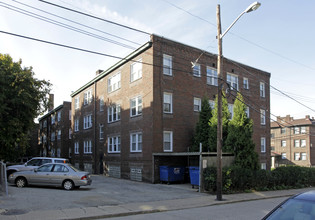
{"points": [[292, 141], [146, 129]]}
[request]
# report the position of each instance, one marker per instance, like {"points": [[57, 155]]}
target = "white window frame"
{"points": [[296, 130], [212, 104], [88, 97], [262, 117], [70, 133], [87, 147], [263, 145], [230, 107], [114, 82], [262, 89], [76, 147], [136, 142], [87, 121], [113, 144], [245, 83], [283, 130], [76, 125], [102, 104], [232, 80], [113, 113], [59, 116], [137, 107], [53, 118], [212, 76], [167, 65], [247, 111], [59, 135], [168, 134], [197, 104], [303, 130], [283, 156], [283, 143], [77, 102], [196, 70], [297, 156], [101, 131], [263, 166], [136, 70], [168, 102], [296, 143], [303, 156], [303, 143]]}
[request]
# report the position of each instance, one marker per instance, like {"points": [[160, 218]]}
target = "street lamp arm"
{"points": [[222, 35]]}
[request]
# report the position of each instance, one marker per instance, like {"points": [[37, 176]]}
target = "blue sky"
{"points": [[277, 38]]}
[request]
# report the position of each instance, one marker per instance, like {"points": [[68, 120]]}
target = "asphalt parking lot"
{"points": [[104, 191]]}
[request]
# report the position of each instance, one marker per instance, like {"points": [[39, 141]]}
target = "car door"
{"points": [[41, 176], [58, 174]]}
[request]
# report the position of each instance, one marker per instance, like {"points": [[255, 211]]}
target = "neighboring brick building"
{"points": [[55, 132], [149, 103], [293, 141]]}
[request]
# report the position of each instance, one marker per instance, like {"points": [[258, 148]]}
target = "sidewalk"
{"points": [[146, 207]]}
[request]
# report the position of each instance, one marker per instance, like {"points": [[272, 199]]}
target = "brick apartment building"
{"points": [[55, 132], [293, 141], [149, 103]]}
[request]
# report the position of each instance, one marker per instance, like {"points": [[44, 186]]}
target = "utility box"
{"points": [[172, 174]]}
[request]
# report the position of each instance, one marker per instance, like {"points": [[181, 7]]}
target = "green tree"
{"points": [[202, 128], [22, 99], [214, 122], [239, 139]]}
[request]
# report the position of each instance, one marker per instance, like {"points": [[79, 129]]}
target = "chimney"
{"points": [[98, 72], [307, 117], [51, 102]]}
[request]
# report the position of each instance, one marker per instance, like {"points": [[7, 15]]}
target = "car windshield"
{"points": [[294, 209]]}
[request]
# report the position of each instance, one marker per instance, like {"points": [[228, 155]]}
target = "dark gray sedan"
{"points": [[51, 174]]}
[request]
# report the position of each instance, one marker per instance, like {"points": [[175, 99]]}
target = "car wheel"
{"points": [[68, 185], [20, 182]]}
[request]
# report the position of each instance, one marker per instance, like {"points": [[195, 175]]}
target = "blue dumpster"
{"points": [[194, 176], [172, 174]]}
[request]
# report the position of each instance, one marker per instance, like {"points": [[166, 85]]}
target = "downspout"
{"points": [[95, 127]]}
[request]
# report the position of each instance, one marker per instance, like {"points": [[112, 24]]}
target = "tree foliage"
{"points": [[239, 139], [22, 99], [202, 128], [213, 122]]}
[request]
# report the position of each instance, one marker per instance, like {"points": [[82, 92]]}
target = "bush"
{"points": [[236, 179]]}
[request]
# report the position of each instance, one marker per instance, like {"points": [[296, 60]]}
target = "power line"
{"points": [[92, 16]]}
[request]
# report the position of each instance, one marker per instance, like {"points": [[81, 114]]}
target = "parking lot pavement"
{"points": [[104, 191]]}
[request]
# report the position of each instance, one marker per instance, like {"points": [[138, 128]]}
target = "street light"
{"points": [[250, 8]]}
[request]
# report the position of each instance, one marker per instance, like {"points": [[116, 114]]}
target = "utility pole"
{"points": [[219, 125]]}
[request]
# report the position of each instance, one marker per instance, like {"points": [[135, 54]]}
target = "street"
{"points": [[235, 211]]}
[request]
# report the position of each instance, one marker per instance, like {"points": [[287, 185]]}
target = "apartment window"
{"points": [[70, 133], [303, 143], [247, 111], [263, 166], [262, 117], [113, 113], [263, 144], [136, 70], [230, 107], [114, 82], [45, 124], [76, 147], [296, 130], [102, 104], [232, 80], [167, 65], [52, 119], [69, 115], [113, 144], [196, 70], [197, 104], [77, 102], [136, 106], [76, 125], [168, 141], [58, 152], [136, 142], [296, 143], [101, 131], [212, 104], [53, 152], [262, 89], [88, 97], [303, 130], [44, 138], [296, 156], [53, 136], [303, 156], [212, 76], [283, 143], [87, 147], [167, 105], [59, 116], [59, 135], [283, 156], [245, 83], [282, 130], [87, 121]]}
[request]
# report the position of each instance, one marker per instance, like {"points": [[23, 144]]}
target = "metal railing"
{"points": [[3, 179]]}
